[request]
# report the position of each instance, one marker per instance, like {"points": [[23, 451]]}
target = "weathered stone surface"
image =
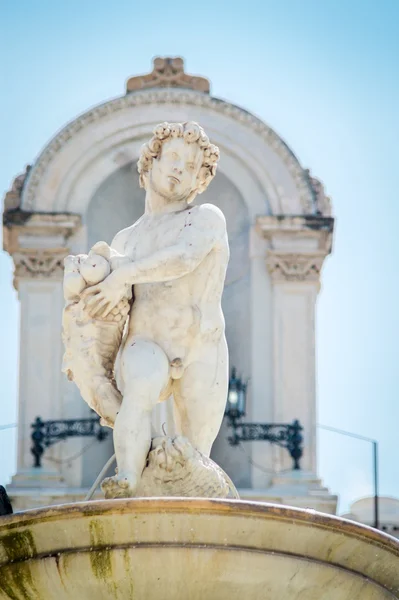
{"points": [[192, 548]]}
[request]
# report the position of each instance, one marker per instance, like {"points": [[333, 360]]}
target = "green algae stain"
{"points": [[100, 560], [127, 565], [16, 579], [19, 545]]}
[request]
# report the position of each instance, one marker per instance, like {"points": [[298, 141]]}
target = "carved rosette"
{"points": [[39, 264], [294, 267]]}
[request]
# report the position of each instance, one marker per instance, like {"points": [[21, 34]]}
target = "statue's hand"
{"points": [[100, 299]]}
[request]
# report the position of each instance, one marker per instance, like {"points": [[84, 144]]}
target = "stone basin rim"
{"points": [[278, 527], [213, 506]]}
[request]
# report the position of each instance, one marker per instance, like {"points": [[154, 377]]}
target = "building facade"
{"points": [[363, 511], [84, 187]]}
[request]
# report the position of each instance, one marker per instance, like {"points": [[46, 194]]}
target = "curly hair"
{"points": [[191, 133]]}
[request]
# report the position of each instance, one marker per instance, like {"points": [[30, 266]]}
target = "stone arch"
{"points": [[84, 153]]}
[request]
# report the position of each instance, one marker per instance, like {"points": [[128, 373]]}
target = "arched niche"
{"points": [[90, 148], [277, 248]]}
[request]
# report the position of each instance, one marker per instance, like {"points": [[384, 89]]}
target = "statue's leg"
{"points": [[145, 372], [200, 396]]}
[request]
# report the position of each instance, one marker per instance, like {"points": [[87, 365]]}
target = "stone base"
{"points": [[36, 478], [300, 489], [32, 498], [164, 549], [34, 489]]}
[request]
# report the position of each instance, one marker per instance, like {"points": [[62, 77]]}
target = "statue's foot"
{"points": [[119, 486]]}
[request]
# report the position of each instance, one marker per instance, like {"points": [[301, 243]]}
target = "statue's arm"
{"points": [[201, 233]]}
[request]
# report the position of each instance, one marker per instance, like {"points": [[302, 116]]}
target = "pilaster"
{"points": [[38, 244], [296, 250]]}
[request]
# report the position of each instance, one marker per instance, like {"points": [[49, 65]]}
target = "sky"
{"points": [[324, 75]]}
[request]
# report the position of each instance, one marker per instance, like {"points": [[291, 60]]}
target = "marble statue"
{"points": [[143, 318]]}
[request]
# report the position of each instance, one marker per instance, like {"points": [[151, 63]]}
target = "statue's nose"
{"points": [[177, 169]]}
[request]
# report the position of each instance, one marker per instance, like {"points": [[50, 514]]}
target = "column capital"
{"points": [[288, 266], [38, 263], [38, 242], [296, 245]]}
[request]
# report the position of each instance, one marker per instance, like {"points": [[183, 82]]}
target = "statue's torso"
{"points": [[183, 312]]}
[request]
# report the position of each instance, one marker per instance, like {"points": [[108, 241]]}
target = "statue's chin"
{"points": [[170, 191], [173, 195]]}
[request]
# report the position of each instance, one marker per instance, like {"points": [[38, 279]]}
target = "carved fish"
{"points": [[175, 468]]}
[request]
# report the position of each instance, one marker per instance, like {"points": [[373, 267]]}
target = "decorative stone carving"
{"points": [[323, 202], [24, 230], [38, 264], [12, 198], [175, 257], [168, 72], [91, 345], [175, 468], [179, 97], [294, 267]]}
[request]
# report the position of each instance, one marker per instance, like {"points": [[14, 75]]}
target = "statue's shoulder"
{"points": [[122, 237], [210, 215]]}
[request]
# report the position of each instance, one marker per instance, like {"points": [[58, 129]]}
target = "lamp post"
{"points": [[236, 397], [286, 435], [375, 464]]}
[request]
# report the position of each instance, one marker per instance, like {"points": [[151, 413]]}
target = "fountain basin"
{"points": [[189, 548]]}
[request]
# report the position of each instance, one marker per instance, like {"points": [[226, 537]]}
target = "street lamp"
{"points": [[286, 435], [375, 464], [236, 397]]}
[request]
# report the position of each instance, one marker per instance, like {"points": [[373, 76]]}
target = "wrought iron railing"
{"points": [[47, 433], [285, 435]]}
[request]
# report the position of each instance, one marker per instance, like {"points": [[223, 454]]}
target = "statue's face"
{"points": [[174, 174]]}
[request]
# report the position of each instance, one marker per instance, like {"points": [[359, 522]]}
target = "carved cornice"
{"points": [[39, 264], [20, 227], [313, 230], [168, 72], [171, 96], [284, 266]]}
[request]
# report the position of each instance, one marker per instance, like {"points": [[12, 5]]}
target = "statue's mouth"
{"points": [[173, 179]]}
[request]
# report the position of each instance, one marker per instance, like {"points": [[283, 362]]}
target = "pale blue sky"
{"points": [[324, 75]]}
